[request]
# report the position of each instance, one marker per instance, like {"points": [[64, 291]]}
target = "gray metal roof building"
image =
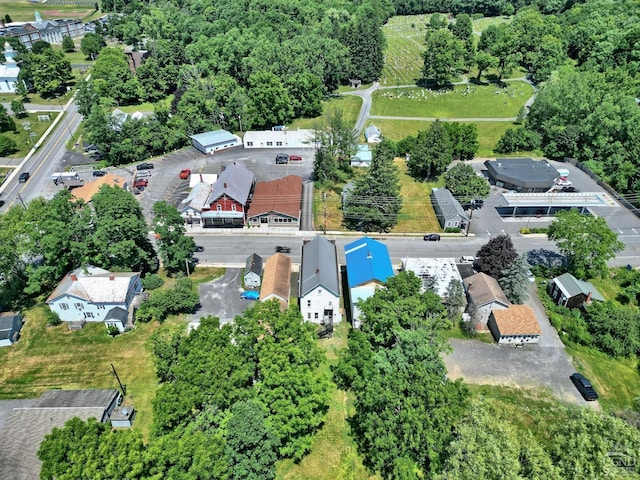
{"points": [[448, 210], [235, 181], [319, 266], [522, 174]]}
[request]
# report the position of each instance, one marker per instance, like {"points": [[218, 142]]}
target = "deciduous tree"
{"points": [[586, 241], [495, 256], [91, 44], [464, 184], [68, 45], [443, 56], [432, 152], [176, 248]]}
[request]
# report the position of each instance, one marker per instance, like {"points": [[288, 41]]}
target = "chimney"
{"points": [[73, 277], [225, 184], [112, 277]]}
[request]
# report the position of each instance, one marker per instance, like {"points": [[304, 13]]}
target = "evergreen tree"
{"points": [[68, 45], [375, 201], [454, 298], [515, 280]]}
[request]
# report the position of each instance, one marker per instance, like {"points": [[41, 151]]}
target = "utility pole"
{"points": [[324, 228], [186, 262], [22, 202], [123, 389], [469, 222]]}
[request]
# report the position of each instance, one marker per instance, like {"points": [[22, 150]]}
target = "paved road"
{"points": [[221, 297]]}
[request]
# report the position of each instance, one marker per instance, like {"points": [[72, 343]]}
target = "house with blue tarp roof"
{"points": [[368, 267]]}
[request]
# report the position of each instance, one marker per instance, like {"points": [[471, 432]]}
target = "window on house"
{"points": [[64, 306], [88, 314], [100, 307], [219, 207], [315, 315], [308, 303], [309, 316], [319, 291], [233, 208], [249, 144], [279, 144], [269, 144], [78, 306]]}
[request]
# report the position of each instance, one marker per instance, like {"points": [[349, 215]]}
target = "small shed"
{"points": [[252, 271], [10, 325], [372, 134], [363, 157], [123, 416], [210, 142], [568, 291]]}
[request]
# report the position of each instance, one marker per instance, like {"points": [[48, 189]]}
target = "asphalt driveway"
{"points": [[221, 297], [545, 365]]}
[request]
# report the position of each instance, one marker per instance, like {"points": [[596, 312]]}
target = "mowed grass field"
{"points": [[488, 132], [23, 10], [22, 137], [349, 104], [463, 101]]}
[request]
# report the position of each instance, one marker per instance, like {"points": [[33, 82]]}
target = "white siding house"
{"points": [[210, 142], [319, 288], [253, 271], [92, 294]]}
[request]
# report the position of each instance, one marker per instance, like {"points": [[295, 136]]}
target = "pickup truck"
{"points": [[282, 249]]}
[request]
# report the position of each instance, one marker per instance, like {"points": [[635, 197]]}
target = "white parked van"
{"points": [[467, 259], [61, 177]]}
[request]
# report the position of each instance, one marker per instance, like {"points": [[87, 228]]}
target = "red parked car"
{"points": [[295, 158], [184, 174], [141, 182]]}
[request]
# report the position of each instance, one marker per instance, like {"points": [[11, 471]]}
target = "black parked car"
{"points": [[99, 173], [199, 248], [569, 189], [24, 176], [584, 387], [145, 166], [1, 203], [283, 249], [282, 158], [432, 237]]}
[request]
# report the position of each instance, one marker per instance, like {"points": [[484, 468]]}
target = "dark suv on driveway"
{"points": [[584, 387], [145, 166], [282, 158]]}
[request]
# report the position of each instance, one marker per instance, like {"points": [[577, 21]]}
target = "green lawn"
{"points": [[463, 101], [55, 357], [616, 380], [481, 24], [405, 45], [488, 132], [23, 11], [22, 138], [145, 107], [349, 104]]}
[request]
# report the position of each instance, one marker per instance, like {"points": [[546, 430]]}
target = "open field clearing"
{"points": [[27, 125], [349, 104], [23, 11], [488, 132], [405, 45], [463, 101]]}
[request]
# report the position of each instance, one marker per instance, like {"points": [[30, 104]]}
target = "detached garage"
{"points": [[210, 142]]}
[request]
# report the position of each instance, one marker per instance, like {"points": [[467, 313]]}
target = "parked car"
{"points": [[144, 166], [584, 387], [432, 237], [1, 203], [184, 174], [24, 176], [569, 189], [295, 158], [467, 259], [563, 183], [250, 295], [283, 249], [141, 182], [199, 248], [143, 173], [477, 203], [99, 173], [282, 158], [138, 191]]}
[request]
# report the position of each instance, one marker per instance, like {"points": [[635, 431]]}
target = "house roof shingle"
{"points": [[367, 260], [517, 320], [26, 427], [449, 206], [235, 181], [319, 266], [282, 196], [197, 198], [253, 264], [483, 290], [276, 281], [95, 285]]}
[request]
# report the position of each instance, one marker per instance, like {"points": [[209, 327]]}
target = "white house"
{"points": [[9, 71], [484, 295], [252, 271], [319, 286], [93, 294], [372, 134], [210, 142], [515, 325]]}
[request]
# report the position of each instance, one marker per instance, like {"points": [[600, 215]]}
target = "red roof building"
{"points": [[276, 203]]}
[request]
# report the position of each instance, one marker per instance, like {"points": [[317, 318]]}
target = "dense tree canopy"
{"points": [[496, 256], [431, 153], [464, 184]]}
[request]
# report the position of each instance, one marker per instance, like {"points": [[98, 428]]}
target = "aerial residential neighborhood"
{"points": [[313, 241]]}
